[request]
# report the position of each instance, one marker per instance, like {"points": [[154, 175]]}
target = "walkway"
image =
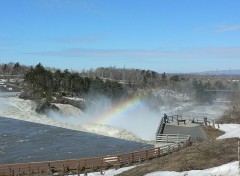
{"points": [[193, 129]]}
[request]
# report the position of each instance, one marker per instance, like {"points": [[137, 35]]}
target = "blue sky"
{"points": [[160, 35]]}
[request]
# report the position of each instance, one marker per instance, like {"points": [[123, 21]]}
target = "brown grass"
{"points": [[200, 156], [212, 133]]}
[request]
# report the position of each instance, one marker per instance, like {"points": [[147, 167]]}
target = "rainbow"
{"points": [[119, 110]]}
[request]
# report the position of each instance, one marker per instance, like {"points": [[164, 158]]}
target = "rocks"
{"points": [[44, 106], [27, 94], [78, 104]]}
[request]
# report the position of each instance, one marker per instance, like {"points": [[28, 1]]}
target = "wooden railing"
{"points": [[198, 119], [84, 165], [160, 127], [162, 123], [176, 117], [172, 138]]}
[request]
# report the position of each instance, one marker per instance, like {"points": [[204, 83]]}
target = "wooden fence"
{"points": [[176, 117], [198, 119], [84, 165], [172, 138], [160, 127]]}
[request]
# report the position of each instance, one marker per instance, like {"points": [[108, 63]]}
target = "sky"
{"points": [[160, 35]]}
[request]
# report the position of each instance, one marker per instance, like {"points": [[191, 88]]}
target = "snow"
{"points": [[110, 172], [75, 98], [230, 169], [231, 130]]}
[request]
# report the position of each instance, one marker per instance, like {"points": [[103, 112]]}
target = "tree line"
{"points": [[48, 84], [13, 69], [112, 82]]}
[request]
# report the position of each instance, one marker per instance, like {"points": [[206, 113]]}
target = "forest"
{"points": [[112, 82]]}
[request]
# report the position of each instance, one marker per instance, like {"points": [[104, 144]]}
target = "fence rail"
{"points": [[172, 138], [160, 127], [176, 117], [83, 165]]}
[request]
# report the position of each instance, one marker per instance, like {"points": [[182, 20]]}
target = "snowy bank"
{"points": [[110, 172], [230, 169], [231, 130]]}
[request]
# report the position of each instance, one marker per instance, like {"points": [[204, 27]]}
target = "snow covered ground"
{"points": [[231, 130], [230, 169]]}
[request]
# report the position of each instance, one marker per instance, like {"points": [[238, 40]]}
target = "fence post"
{"points": [[29, 169], [239, 157], [167, 138], [63, 168], [49, 169], [78, 169], [132, 158], [139, 159]]}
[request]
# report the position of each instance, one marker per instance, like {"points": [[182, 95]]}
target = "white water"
{"points": [[137, 124], [72, 118]]}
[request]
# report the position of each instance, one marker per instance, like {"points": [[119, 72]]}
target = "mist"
{"points": [[140, 120]]}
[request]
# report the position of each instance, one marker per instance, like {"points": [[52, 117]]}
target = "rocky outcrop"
{"points": [[78, 104], [44, 106], [27, 94]]}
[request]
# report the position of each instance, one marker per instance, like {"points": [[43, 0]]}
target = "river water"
{"points": [[22, 141]]}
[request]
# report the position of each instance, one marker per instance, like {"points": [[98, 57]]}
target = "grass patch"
{"points": [[203, 155], [212, 133]]}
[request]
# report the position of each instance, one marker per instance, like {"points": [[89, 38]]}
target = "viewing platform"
{"points": [[181, 126]]}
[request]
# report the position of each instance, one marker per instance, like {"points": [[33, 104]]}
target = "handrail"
{"points": [[160, 127], [162, 123], [172, 138]]}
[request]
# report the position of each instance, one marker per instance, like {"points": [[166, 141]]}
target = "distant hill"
{"points": [[221, 72]]}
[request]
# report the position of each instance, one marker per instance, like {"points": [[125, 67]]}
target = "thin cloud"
{"points": [[208, 52], [111, 53], [229, 28], [83, 39]]}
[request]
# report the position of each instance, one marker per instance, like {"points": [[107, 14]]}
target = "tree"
{"points": [[202, 95], [219, 85], [6, 69], [16, 68]]}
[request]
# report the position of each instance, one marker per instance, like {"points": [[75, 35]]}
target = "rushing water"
{"points": [[22, 141]]}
